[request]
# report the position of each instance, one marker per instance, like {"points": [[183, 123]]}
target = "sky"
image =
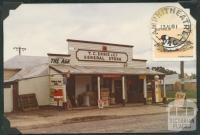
{"points": [[44, 28]]}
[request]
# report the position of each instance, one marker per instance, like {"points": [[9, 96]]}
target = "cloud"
{"points": [[44, 28]]}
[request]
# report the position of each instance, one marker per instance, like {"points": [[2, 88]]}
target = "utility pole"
{"points": [[19, 49], [182, 75]]}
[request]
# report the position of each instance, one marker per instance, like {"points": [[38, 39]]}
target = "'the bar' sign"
{"points": [[101, 56]]}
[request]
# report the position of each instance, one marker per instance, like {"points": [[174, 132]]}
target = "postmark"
{"points": [[173, 34]]}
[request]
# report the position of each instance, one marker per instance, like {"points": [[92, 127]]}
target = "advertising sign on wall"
{"points": [[59, 60], [56, 90]]}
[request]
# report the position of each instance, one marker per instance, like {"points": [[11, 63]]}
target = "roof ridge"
{"points": [[104, 43]]}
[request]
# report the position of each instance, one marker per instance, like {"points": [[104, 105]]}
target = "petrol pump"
{"points": [[156, 90]]}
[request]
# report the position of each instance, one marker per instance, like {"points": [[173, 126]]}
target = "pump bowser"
{"points": [[156, 90]]}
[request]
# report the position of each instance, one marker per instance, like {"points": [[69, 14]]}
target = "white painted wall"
{"points": [[137, 64], [74, 46], [8, 99], [39, 86], [54, 73], [81, 83]]}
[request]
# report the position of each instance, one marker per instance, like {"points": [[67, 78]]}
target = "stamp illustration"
{"points": [[173, 34]]}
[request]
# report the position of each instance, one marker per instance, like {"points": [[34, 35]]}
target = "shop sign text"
{"points": [[101, 56], [55, 81], [59, 60]]}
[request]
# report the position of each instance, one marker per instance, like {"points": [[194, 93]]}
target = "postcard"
{"points": [[99, 68]]}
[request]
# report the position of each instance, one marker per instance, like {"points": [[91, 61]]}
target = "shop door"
{"points": [[70, 89], [132, 89], [140, 90], [118, 91], [135, 90]]}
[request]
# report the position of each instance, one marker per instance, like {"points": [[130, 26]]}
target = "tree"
{"points": [[164, 70], [193, 76]]}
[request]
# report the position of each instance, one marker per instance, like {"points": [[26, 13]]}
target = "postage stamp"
{"points": [[173, 31]]}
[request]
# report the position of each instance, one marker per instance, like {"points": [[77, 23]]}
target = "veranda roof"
{"points": [[103, 70]]}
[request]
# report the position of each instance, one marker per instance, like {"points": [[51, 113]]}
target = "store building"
{"points": [[103, 72], [91, 74]]}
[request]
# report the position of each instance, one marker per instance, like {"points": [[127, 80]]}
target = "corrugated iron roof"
{"points": [[42, 70], [19, 62], [30, 72], [171, 79], [103, 70]]}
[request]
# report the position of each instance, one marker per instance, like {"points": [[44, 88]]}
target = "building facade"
{"points": [[91, 74], [95, 73]]}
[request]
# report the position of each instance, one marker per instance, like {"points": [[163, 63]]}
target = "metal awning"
{"points": [[103, 70]]}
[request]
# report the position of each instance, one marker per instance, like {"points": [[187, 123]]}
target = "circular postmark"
{"points": [[171, 28]]}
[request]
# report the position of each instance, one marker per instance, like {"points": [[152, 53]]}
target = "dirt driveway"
{"points": [[52, 117]]}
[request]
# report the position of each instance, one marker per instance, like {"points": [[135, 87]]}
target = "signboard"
{"points": [[56, 81], [101, 56], [56, 90], [180, 98], [58, 60]]}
